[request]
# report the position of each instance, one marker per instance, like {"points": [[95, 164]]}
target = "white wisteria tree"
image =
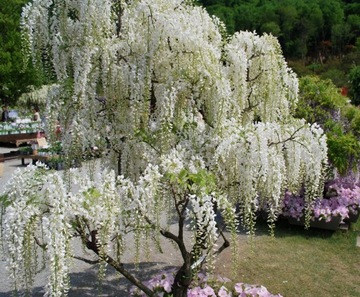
{"points": [[194, 123]]}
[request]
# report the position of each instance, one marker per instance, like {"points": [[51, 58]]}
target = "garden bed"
{"points": [[333, 224]]}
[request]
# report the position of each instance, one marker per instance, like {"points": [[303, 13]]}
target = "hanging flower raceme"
{"points": [[271, 148], [39, 209], [204, 218]]}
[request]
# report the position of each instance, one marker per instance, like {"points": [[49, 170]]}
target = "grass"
{"points": [[298, 262]]}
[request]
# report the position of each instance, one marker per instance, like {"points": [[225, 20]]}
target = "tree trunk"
{"points": [[182, 280], [183, 277]]}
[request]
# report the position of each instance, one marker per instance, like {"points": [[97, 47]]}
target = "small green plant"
{"points": [[55, 162], [25, 150], [56, 147]]}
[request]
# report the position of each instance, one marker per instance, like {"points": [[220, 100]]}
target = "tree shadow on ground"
{"points": [[284, 229], [86, 283]]}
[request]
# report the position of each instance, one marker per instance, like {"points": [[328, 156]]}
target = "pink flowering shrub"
{"points": [[344, 202], [160, 283], [204, 287]]}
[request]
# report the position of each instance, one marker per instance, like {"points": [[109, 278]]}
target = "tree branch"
{"points": [[290, 138], [92, 262], [179, 239], [41, 245], [93, 245]]}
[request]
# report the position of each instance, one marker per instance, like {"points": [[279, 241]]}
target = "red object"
{"points": [[344, 91]]}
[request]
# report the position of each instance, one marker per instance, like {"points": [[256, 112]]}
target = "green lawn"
{"points": [[298, 262]]}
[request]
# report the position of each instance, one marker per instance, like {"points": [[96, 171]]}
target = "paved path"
{"points": [[9, 166]]}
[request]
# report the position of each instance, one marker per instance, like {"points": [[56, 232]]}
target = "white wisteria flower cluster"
{"points": [[42, 204], [192, 121]]}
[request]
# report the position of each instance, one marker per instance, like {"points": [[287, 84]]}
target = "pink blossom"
{"points": [[239, 289], [209, 291], [163, 283], [196, 292], [223, 292], [166, 284], [346, 202]]}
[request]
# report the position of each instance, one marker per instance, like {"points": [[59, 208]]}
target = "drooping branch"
{"points": [[118, 11], [152, 97], [249, 80], [92, 244], [43, 246], [292, 137], [225, 244], [250, 105], [91, 262]]}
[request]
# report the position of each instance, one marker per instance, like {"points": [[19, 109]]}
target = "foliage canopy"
{"points": [[16, 74], [312, 28]]}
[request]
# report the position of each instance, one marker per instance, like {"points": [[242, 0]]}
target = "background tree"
{"points": [[333, 14], [354, 77], [226, 14], [302, 26], [194, 125], [15, 74]]}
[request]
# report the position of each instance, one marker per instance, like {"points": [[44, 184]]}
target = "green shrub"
{"points": [[320, 101], [343, 151], [337, 76], [354, 92], [299, 67], [352, 114]]}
